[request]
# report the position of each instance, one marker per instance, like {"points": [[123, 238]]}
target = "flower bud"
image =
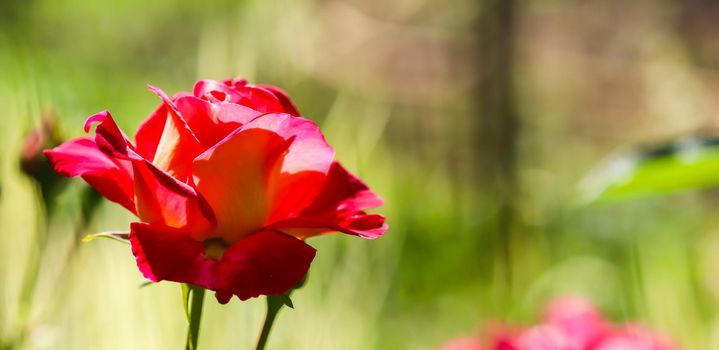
{"points": [[32, 161]]}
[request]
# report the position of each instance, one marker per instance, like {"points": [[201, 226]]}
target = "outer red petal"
{"points": [[270, 167], [260, 99], [178, 145], [340, 207], [285, 100], [149, 133], [215, 91], [235, 82], [162, 199], [109, 138], [223, 107], [298, 175], [264, 263], [212, 122], [110, 177], [343, 192], [159, 197], [255, 97], [165, 253], [232, 177]]}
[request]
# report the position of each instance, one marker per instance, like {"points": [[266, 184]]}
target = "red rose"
{"points": [[227, 183]]}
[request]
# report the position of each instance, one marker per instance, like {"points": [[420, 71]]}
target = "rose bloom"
{"points": [[227, 182]]}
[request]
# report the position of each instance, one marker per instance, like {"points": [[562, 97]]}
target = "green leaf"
{"points": [[123, 237], [145, 284], [684, 165], [286, 300]]}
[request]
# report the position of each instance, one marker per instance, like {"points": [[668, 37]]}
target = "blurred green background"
{"points": [[505, 136]]}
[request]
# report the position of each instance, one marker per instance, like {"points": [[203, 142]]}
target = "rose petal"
{"points": [[368, 226], [212, 122], [232, 176], [178, 145], [149, 133], [214, 91], [343, 192], [111, 177], [162, 199], [257, 98], [272, 166], [264, 263], [308, 151], [287, 105], [165, 253], [339, 206], [235, 82], [297, 177], [109, 138]]}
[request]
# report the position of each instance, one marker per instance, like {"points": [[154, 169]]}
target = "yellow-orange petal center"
{"points": [[215, 248]]}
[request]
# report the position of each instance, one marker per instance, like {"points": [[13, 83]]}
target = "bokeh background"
{"points": [[487, 127]]}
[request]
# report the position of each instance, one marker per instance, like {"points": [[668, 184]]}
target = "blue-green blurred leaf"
{"points": [[685, 165]]}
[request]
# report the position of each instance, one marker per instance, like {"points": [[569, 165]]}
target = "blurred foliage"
{"points": [[474, 120], [686, 165]]}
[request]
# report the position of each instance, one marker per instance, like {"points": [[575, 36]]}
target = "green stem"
{"points": [[274, 304], [193, 330]]}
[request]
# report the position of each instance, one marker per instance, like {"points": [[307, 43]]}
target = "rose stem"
{"points": [[193, 330], [274, 304]]}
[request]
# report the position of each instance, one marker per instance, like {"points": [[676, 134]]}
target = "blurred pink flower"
{"points": [[635, 337], [570, 323], [545, 337], [468, 343], [578, 319]]}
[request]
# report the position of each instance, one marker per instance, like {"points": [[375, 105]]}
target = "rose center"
{"points": [[215, 248]]}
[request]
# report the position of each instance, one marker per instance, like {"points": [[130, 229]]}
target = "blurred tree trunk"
{"points": [[698, 23], [497, 127]]}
